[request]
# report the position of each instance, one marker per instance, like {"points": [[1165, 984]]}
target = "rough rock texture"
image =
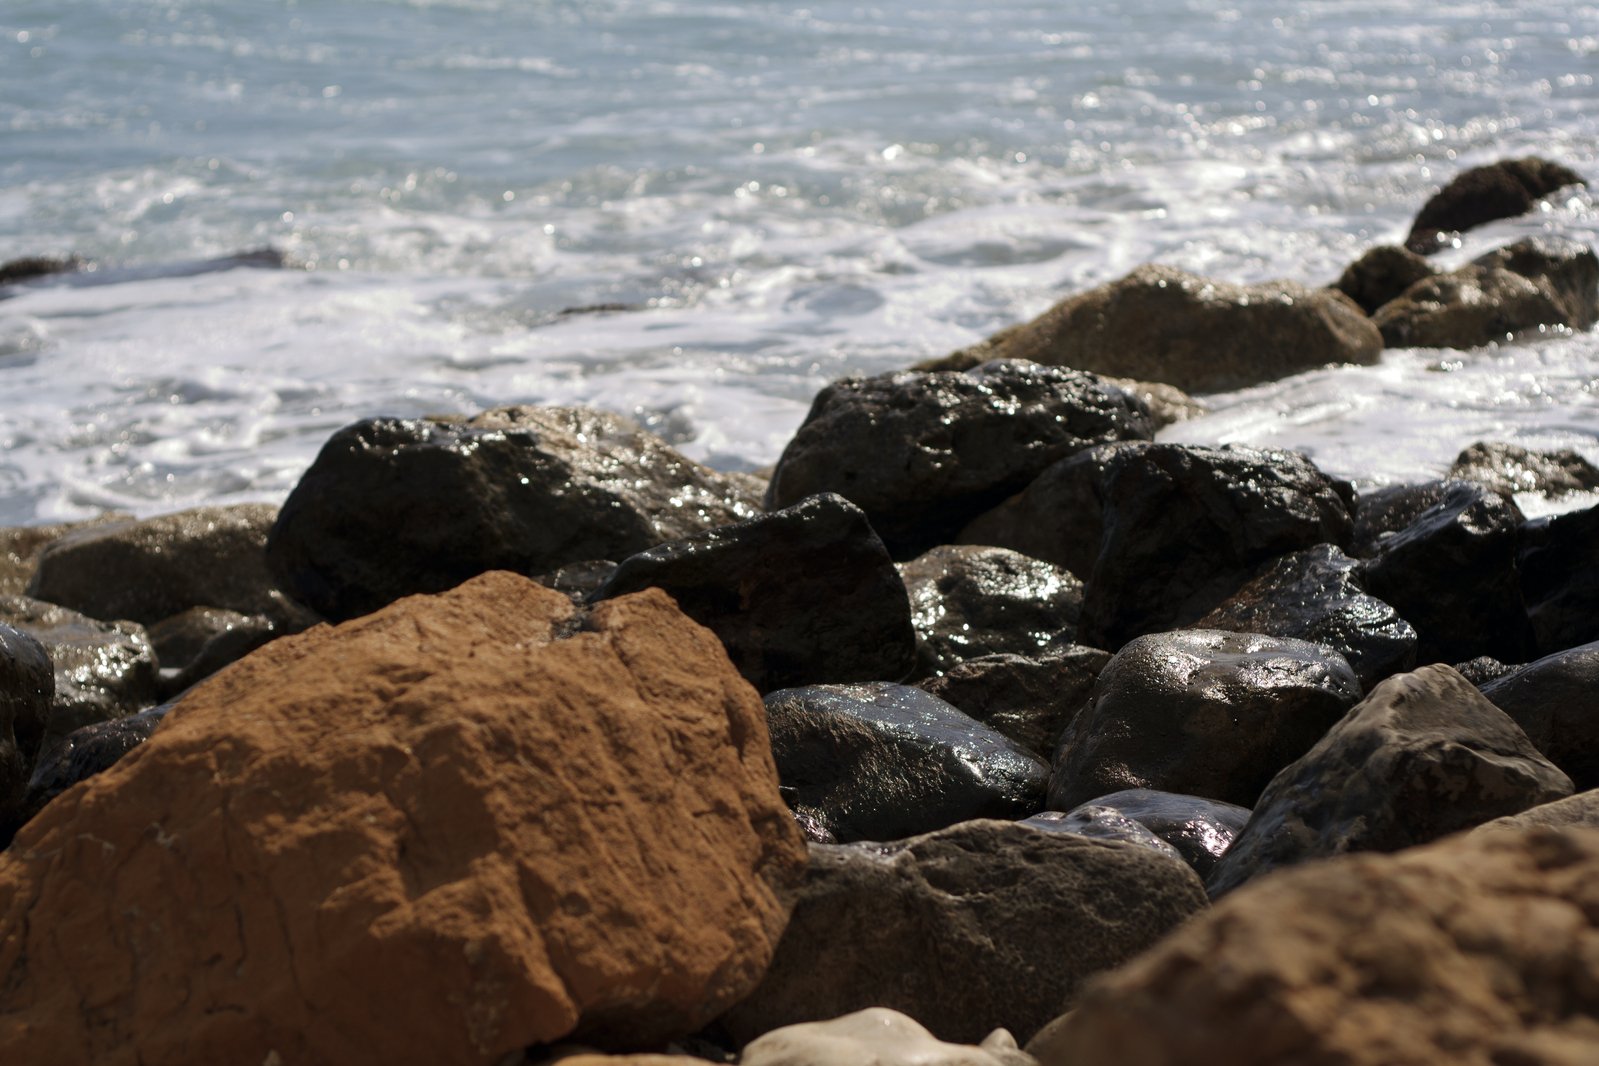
{"points": [[1559, 565], [1579, 811], [1029, 700], [1317, 595], [26, 685], [1504, 189], [1468, 308], [484, 812], [1423, 756], [1200, 829], [1098, 822], [1381, 274], [1567, 269], [968, 601], [883, 761], [876, 1036], [1480, 949], [1451, 573], [805, 595], [1163, 324], [1483, 669], [1201, 712], [982, 924], [923, 454], [1510, 468], [21, 546], [1555, 701], [396, 506]]}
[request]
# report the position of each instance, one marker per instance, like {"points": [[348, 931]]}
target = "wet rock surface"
{"points": [[1555, 701], [26, 686], [1566, 269], [1098, 822], [1423, 756], [1023, 917], [1468, 308], [1510, 468], [1201, 712], [805, 595], [1200, 829], [924, 453], [1559, 571], [883, 761], [1029, 700], [1388, 510], [392, 507], [1382, 274], [1504, 189]]}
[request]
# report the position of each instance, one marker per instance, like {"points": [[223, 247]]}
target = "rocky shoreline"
{"points": [[986, 730]]}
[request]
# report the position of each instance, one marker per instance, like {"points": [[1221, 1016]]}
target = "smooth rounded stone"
{"points": [[1100, 823], [979, 925], [1559, 566], [152, 569], [1163, 324], [1186, 526], [876, 1036], [1567, 268], [1385, 511], [1452, 574], [395, 506], [1510, 468], [1317, 595], [805, 595], [1200, 829], [103, 670], [1030, 700], [1555, 701], [27, 684], [1478, 949], [1469, 308], [884, 761], [924, 453], [1423, 756], [1201, 712], [968, 601], [1381, 274], [500, 818], [21, 546], [1504, 189]]}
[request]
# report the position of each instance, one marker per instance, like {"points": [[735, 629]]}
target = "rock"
{"points": [[1186, 526], [1504, 189], [1098, 822], [1381, 274], [923, 454], [1316, 595], [1468, 308], [805, 595], [1579, 811], [1555, 701], [103, 670], [1423, 756], [26, 687], [1451, 573], [578, 580], [1200, 829], [202, 640], [1028, 700], [1477, 949], [1163, 324], [884, 761], [1390, 509], [30, 267], [1167, 404], [396, 506], [968, 601], [978, 925], [1510, 468], [1559, 567], [1201, 712], [1568, 270], [486, 813], [1483, 669], [880, 1037], [21, 546]]}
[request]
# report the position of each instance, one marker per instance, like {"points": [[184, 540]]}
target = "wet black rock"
{"points": [[801, 596], [1317, 595], [1387, 510], [924, 453], [1423, 756], [1382, 274], [1504, 189], [1559, 565], [1510, 468], [1556, 703], [883, 761], [1452, 574], [27, 684], [395, 506], [1200, 829], [1100, 823], [1029, 700], [968, 601], [1201, 712]]}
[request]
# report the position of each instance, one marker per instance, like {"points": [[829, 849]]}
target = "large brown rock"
{"points": [[21, 546], [1504, 189], [464, 825], [1481, 949], [1163, 324], [1471, 307]]}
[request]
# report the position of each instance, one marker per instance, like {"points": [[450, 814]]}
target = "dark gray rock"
{"points": [[1029, 700], [1381, 274], [1559, 565], [1388, 510], [1504, 189], [1201, 712], [1510, 468], [1100, 823], [968, 601], [27, 684], [1423, 756], [1200, 829], [393, 506], [1555, 701], [801, 596], [1452, 574], [983, 924], [884, 761], [1569, 271], [195, 644], [28, 268], [923, 454], [1316, 595], [1468, 308]]}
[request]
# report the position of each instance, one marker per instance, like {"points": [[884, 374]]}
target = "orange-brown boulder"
{"points": [[466, 824]]}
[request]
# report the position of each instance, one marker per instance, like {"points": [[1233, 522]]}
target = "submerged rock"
{"points": [[1504, 189], [1029, 700]]}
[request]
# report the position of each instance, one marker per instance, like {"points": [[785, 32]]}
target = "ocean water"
{"points": [[698, 213]]}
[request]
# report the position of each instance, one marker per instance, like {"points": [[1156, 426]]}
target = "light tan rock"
{"points": [[463, 825], [876, 1036]]}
